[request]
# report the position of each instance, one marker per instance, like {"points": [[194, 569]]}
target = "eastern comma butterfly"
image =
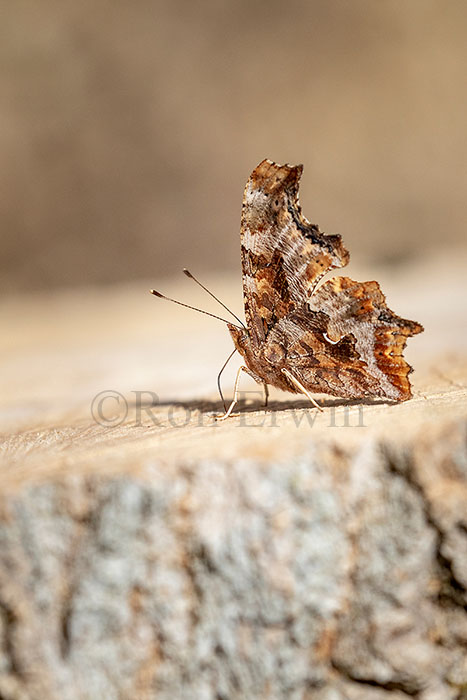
{"points": [[339, 338]]}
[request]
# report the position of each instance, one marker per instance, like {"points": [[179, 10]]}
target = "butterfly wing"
{"points": [[283, 254], [346, 342]]}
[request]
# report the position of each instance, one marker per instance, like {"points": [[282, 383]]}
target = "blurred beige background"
{"points": [[128, 130]]}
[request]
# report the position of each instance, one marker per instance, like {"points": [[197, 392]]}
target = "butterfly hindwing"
{"points": [[345, 341]]}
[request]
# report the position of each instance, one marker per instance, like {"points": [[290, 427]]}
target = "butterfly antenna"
{"points": [[192, 277], [180, 303]]}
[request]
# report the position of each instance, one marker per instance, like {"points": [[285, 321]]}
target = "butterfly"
{"points": [[338, 337]]}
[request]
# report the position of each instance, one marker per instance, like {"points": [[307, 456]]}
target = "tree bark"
{"points": [[283, 554], [336, 574]]}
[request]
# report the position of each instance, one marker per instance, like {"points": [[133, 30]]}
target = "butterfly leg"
{"points": [[295, 381], [219, 378], [266, 394], [235, 398]]}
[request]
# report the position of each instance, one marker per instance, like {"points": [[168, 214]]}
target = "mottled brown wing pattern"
{"points": [[347, 342], [283, 254], [339, 338]]}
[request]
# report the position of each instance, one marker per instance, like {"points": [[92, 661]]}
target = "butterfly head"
{"points": [[241, 338]]}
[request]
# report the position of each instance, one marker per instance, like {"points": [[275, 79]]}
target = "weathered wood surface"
{"points": [[282, 554]]}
